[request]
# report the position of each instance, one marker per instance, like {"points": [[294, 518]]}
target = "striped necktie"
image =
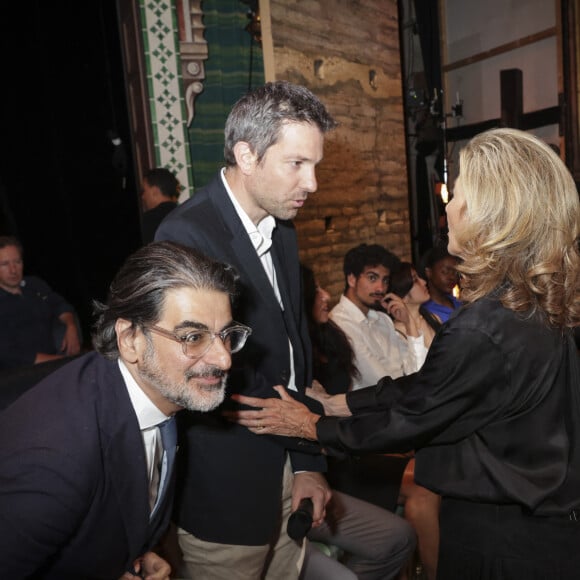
{"points": [[166, 456]]}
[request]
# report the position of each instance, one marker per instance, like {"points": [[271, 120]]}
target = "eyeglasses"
{"points": [[196, 343]]}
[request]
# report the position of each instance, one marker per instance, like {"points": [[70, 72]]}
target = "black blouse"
{"points": [[494, 413]]}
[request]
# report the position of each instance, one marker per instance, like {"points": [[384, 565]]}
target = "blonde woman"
{"points": [[495, 410]]}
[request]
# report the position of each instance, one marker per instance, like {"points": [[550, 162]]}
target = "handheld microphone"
{"points": [[300, 521]]}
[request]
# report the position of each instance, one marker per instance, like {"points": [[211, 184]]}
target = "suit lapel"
{"points": [[285, 262], [242, 247], [284, 277], [126, 459], [288, 274]]}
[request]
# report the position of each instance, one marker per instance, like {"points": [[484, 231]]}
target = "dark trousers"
{"points": [[502, 542]]}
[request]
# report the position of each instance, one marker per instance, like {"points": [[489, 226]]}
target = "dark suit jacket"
{"points": [[229, 490], [151, 219], [73, 478]]}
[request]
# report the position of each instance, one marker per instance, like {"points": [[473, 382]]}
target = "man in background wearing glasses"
{"points": [[86, 477]]}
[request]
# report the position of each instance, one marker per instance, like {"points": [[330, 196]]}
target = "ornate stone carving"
{"points": [[193, 51]]}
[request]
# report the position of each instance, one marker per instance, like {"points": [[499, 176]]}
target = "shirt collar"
{"points": [[147, 413], [261, 236], [356, 313]]}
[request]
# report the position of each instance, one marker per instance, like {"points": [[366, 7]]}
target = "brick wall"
{"points": [[332, 47]]}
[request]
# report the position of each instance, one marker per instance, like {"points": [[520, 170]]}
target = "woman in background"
{"points": [[408, 285], [333, 358], [421, 505]]}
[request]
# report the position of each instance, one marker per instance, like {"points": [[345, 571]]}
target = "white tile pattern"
{"points": [[168, 114]]}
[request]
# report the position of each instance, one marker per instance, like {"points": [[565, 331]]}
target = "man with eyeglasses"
{"points": [[86, 456]]}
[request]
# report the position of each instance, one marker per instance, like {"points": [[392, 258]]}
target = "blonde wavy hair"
{"points": [[521, 227]]}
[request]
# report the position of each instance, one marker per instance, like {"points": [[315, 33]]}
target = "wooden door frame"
{"points": [[569, 102]]}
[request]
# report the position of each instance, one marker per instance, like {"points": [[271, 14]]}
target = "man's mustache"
{"points": [[206, 373]]}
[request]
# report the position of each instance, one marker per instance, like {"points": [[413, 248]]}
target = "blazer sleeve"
{"points": [[36, 523]]}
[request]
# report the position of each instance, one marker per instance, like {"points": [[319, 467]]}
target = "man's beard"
{"points": [[185, 394], [374, 303]]}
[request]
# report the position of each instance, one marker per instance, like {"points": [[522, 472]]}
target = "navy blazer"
{"points": [[73, 478], [229, 489]]}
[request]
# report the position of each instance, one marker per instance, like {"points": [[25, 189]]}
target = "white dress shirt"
{"points": [[149, 417], [379, 349], [261, 238]]}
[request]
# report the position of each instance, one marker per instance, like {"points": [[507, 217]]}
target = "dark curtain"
{"points": [[64, 191]]}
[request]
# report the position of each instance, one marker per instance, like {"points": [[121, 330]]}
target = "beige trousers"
{"points": [[280, 560]]}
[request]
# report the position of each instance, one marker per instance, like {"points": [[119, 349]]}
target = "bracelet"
{"points": [[301, 430]]}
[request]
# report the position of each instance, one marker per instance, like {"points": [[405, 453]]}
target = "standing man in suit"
{"points": [[86, 478], [237, 490]]}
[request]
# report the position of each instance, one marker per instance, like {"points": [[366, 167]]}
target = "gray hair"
{"points": [[138, 292], [258, 117]]}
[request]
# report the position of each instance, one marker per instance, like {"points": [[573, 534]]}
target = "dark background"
{"points": [[66, 191]]}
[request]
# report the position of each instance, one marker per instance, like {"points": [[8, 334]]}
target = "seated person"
{"points": [[421, 505], [29, 313], [442, 277], [159, 195], [375, 551], [413, 290], [375, 477], [333, 361], [379, 349]]}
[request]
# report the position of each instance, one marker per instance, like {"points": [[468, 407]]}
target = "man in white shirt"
{"points": [[380, 350]]}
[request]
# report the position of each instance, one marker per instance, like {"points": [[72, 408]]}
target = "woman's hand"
{"points": [[334, 405], [397, 308], [318, 392], [284, 416]]}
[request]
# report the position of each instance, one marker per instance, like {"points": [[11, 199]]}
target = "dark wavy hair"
{"points": [[401, 282], [164, 180], [365, 255], [329, 342]]}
